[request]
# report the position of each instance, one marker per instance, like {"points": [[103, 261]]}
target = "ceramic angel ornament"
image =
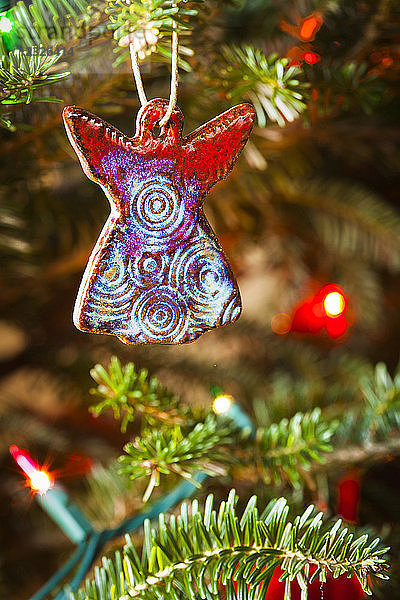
{"points": [[157, 273]]}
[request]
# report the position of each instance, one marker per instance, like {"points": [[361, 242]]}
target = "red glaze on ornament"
{"points": [[157, 273]]}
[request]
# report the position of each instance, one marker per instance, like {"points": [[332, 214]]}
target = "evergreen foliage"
{"points": [[346, 87], [39, 33], [282, 451], [382, 397], [348, 218], [286, 448], [312, 200], [377, 418], [128, 392], [47, 22], [23, 72], [176, 451], [148, 25], [270, 83], [194, 554]]}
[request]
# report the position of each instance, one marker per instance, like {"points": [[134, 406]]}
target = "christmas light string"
{"points": [[70, 519]]}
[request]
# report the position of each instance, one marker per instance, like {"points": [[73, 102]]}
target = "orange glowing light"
{"points": [[334, 304], [310, 26], [281, 323], [39, 479]]}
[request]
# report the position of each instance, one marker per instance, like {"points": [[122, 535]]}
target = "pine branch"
{"points": [[382, 396], [177, 451], [128, 392], [47, 22], [192, 555], [349, 218], [23, 72], [379, 417], [346, 87], [269, 83], [39, 30], [361, 455], [282, 451], [285, 448], [148, 25]]}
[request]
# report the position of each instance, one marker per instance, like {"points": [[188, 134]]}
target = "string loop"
{"points": [[137, 76], [174, 76]]}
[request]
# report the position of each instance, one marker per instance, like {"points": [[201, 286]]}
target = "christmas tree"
{"points": [[281, 429]]}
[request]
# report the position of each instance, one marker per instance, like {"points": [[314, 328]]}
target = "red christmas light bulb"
{"points": [[334, 301], [342, 588], [349, 496], [38, 478], [326, 309], [336, 327], [334, 304], [311, 57], [333, 589]]}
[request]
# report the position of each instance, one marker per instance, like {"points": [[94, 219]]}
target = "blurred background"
{"points": [[312, 202]]}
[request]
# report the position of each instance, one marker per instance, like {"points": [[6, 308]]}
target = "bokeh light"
{"points": [[281, 323], [222, 404], [334, 304], [309, 27], [40, 481], [311, 58], [5, 24], [324, 310]]}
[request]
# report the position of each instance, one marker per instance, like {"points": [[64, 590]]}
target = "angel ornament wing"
{"points": [[157, 273]]}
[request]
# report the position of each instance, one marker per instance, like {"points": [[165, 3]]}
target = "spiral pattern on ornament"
{"points": [[147, 269], [111, 293], [159, 212], [232, 310], [160, 314], [201, 274], [111, 273]]}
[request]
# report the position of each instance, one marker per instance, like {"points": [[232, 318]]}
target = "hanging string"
{"points": [[137, 75], [174, 76]]}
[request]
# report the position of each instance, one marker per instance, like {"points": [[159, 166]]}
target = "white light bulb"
{"points": [[222, 404], [5, 25], [334, 304], [40, 481]]}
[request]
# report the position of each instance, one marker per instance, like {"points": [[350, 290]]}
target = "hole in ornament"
{"points": [[156, 131]]}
